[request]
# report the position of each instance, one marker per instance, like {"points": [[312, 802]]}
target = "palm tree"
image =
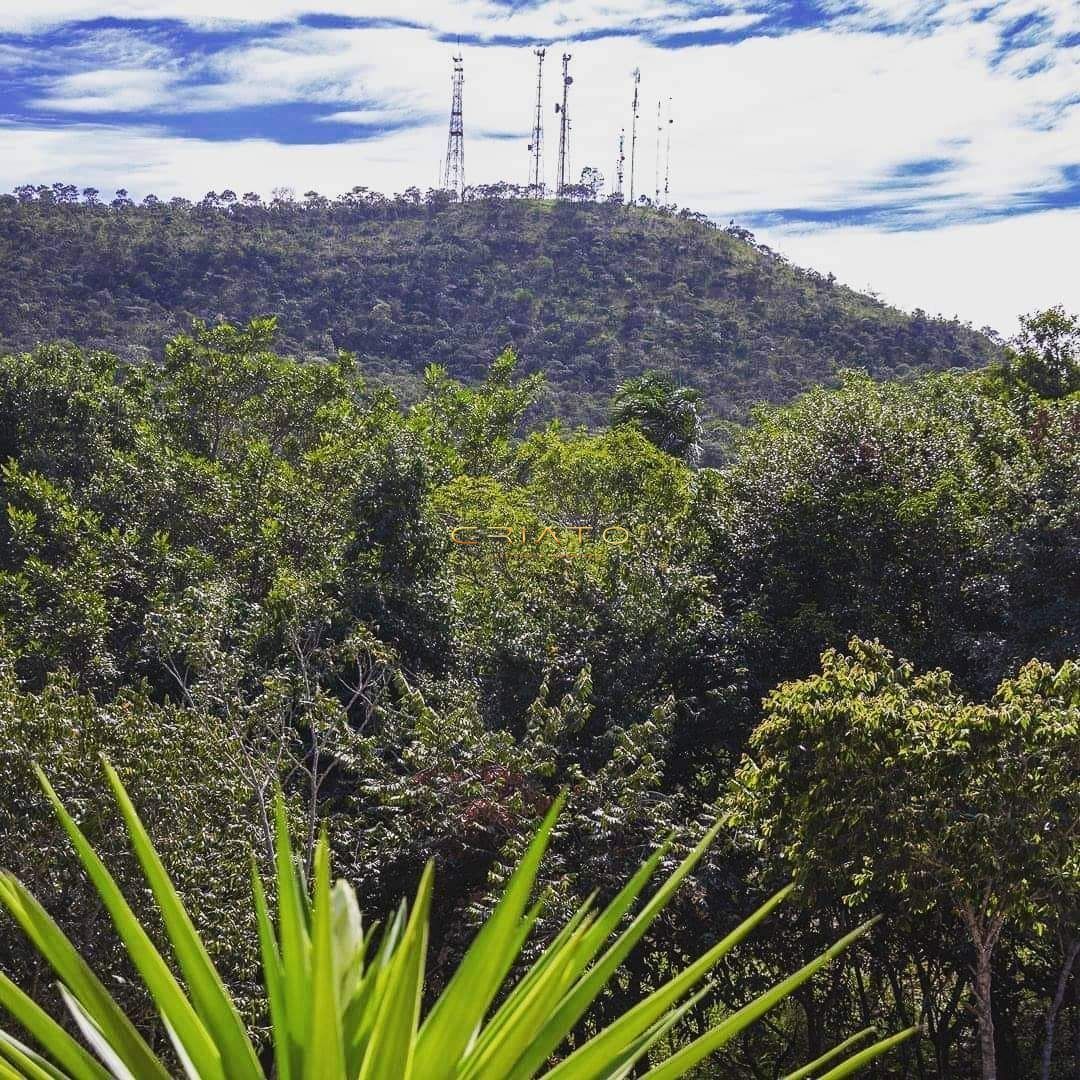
{"points": [[666, 414]]}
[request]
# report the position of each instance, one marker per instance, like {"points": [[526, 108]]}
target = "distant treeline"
{"points": [[589, 292]]}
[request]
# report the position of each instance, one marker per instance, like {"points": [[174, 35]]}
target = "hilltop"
{"points": [[588, 293]]}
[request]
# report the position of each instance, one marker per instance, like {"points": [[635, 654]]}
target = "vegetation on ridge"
{"points": [[590, 294]]}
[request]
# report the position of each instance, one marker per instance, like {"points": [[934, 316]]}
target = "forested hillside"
{"points": [[588, 293], [855, 644]]}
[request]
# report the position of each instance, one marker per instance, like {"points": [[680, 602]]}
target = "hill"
{"points": [[588, 293]]}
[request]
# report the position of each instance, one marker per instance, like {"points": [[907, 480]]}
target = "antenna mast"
{"points": [[536, 147], [633, 133], [619, 162], [659, 131], [667, 153], [564, 125], [454, 170]]}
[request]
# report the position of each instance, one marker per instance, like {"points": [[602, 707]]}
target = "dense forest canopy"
{"points": [[588, 293], [232, 569]]}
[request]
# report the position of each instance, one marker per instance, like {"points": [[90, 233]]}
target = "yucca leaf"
{"points": [[549, 956], [350, 941], [7, 1072], [48, 1033], [624, 899], [461, 1007], [190, 1071], [273, 979], [853, 1064], [93, 1034], [389, 1052], [324, 1057], [31, 1065], [622, 1032], [83, 984], [494, 1055], [578, 1000], [680, 1062], [600, 930], [642, 1046], [294, 939], [813, 1068], [170, 1000], [336, 1015], [208, 993], [359, 1017]]}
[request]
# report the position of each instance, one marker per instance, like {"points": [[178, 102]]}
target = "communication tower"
{"points": [[656, 178], [564, 125], [454, 169], [536, 147], [667, 153], [619, 163], [633, 133]]}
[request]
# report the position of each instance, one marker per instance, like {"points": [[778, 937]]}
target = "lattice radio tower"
{"points": [[620, 161], [667, 153], [454, 170], [659, 133], [633, 133], [564, 125], [536, 147]]}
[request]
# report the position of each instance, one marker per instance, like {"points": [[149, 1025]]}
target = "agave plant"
{"points": [[345, 999]]}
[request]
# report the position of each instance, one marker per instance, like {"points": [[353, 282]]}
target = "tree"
{"points": [[913, 513], [667, 414], [592, 181], [632, 291], [185, 771], [473, 428], [1046, 352], [869, 779]]}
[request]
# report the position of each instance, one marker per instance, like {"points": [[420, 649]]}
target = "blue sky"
{"points": [[929, 149]]}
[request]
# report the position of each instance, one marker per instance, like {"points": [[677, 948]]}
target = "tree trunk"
{"points": [[984, 1011], [1076, 1027], [985, 929], [1072, 950]]}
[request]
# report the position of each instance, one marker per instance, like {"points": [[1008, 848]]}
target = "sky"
{"points": [[927, 150]]}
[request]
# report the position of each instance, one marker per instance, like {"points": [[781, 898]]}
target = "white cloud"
{"points": [[551, 19], [824, 119], [810, 119], [148, 161], [366, 117], [987, 273], [110, 90]]}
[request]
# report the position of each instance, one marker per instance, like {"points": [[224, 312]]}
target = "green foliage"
{"points": [[1046, 353], [886, 759], [340, 1007], [916, 514], [187, 775], [872, 780], [589, 294], [667, 414], [258, 556], [476, 426]]}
